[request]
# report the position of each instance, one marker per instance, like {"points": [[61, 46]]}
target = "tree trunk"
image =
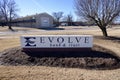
{"points": [[104, 31], [10, 27]]}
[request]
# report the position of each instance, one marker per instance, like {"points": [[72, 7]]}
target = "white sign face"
{"points": [[57, 41]]}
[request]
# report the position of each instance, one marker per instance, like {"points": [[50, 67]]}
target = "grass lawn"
{"points": [[11, 39]]}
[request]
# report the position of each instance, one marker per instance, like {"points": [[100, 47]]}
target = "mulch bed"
{"points": [[98, 58]]}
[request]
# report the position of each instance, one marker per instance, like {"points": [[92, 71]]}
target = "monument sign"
{"points": [[42, 42]]}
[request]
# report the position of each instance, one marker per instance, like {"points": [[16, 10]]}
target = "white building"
{"points": [[42, 20]]}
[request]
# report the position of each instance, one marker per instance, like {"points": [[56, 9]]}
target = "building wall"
{"points": [[39, 19], [37, 23]]}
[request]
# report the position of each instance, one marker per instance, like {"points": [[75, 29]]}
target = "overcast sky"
{"points": [[30, 7]]}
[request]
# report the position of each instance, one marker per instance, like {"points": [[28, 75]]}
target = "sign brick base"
{"points": [[54, 49]]}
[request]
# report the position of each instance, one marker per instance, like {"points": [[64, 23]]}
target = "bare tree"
{"points": [[1, 19], [102, 12], [8, 10], [0, 16], [57, 16], [69, 19]]}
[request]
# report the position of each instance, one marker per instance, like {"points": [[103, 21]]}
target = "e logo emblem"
{"points": [[30, 41]]}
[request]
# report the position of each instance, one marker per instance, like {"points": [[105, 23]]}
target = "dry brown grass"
{"points": [[53, 73], [8, 43]]}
